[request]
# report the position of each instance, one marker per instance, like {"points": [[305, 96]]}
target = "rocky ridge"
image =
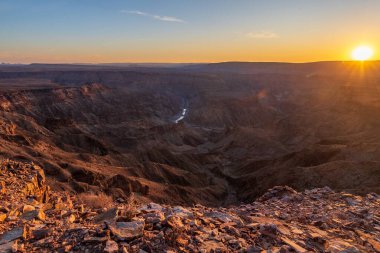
{"points": [[34, 218]]}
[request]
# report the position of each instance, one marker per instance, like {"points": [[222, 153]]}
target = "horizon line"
{"points": [[177, 63]]}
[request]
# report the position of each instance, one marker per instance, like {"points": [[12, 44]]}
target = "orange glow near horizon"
{"points": [[192, 52]]}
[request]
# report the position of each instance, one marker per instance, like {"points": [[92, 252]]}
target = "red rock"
{"points": [[111, 247], [294, 245], [174, 221], [3, 216], [13, 234], [127, 230]]}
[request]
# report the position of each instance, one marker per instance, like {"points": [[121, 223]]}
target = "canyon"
{"points": [[213, 134]]}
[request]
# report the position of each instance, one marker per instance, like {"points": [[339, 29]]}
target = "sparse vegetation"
{"points": [[130, 208], [95, 201]]}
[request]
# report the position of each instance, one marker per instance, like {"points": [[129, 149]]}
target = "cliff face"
{"points": [[34, 218]]}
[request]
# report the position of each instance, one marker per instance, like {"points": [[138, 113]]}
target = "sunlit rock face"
{"points": [[282, 219]]}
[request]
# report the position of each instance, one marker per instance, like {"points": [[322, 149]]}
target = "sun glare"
{"points": [[362, 53]]}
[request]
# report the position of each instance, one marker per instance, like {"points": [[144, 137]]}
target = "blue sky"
{"points": [[184, 30]]}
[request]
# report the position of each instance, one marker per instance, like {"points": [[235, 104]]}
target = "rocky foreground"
{"points": [[36, 219]]}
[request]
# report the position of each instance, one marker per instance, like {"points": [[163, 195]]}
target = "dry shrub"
{"points": [[95, 201], [130, 208], [131, 203]]}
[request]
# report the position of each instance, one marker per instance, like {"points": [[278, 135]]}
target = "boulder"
{"points": [[338, 246], [7, 247], [109, 216], [278, 192], [111, 247], [174, 221], [13, 234], [154, 218], [70, 219], [3, 216], [28, 208], [127, 230], [41, 233], [36, 214], [182, 212], [268, 229], [212, 246]]}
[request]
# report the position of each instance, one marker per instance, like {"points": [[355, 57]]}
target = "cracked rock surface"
{"points": [[34, 218]]}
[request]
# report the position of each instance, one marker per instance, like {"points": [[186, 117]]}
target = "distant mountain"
{"points": [[335, 68], [326, 67]]}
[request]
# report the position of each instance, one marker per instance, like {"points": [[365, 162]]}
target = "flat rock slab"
{"points": [[6, 247], [13, 234], [212, 246], [109, 215], [127, 230], [151, 207], [181, 212]]}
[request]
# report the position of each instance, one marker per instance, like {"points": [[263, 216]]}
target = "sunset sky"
{"points": [[99, 31]]}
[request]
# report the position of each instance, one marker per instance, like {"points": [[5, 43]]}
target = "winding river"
{"points": [[182, 115]]}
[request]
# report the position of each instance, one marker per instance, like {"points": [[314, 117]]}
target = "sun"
{"points": [[362, 53]]}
